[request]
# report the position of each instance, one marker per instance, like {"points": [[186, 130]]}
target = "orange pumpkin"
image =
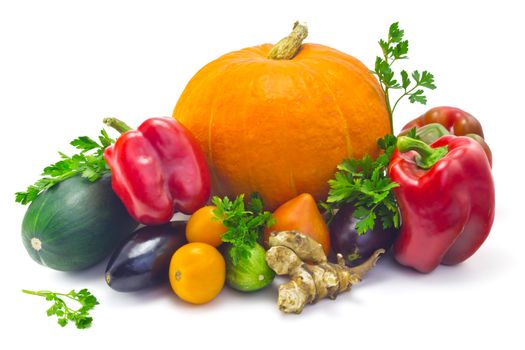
{"points": [[277, 119]]}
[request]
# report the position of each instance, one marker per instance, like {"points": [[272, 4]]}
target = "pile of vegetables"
{"points": [[293, 171]]}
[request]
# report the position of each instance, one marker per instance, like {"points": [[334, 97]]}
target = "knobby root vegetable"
{"points": [[312, 277]]}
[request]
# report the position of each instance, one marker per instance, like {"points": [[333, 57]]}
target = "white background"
{"points": [[67, 64]]}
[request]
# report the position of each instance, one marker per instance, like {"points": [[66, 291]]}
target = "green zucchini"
{"points": [[75, 224]]}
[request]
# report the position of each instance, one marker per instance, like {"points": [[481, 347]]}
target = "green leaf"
{"points": [[65, 313], [365, 184], [380, 196], [84, 143], [384, 46], [385, 73], [427, 80], [416, 76], [52, 310], [366, 223], [405, 79], [395, 48], [400, 50], [104, 139], [83, 322], [58, 168], [256, 204], [89, 163], [90, 173], [245, 225], [386, 142], [395, 219], [395, 34], [360, 212], [412, 133], [418, 97]]}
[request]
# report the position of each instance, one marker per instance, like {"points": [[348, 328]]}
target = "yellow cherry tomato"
{"points": [[197, 272], [202, 227]]}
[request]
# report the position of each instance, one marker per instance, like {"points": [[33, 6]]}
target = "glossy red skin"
{"points": [[446, 211], [456, 121], [157, 170], [483, 144]]}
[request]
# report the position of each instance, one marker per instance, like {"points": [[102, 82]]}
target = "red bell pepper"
{"points": [[454, 120], [157, 170], [446, 200]]}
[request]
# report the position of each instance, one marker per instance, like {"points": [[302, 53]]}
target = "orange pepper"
{"points": [[301, 214]]}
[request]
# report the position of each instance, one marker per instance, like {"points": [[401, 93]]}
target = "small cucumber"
{"points": [[250, 274]]}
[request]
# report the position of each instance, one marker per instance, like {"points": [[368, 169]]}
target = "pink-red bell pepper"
{"points": [[157, 170], [446, 200]]}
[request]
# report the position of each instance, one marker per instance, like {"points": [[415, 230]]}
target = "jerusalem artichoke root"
{"points": [[312, 277]]}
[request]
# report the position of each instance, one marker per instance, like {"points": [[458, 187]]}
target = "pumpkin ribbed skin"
{"points": [[280, 127]]}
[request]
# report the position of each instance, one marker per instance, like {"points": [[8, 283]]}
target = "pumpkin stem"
{"points": [[288, 47]]}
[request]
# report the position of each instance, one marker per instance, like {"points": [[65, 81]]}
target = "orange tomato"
{"points": [[301, 214], [197, 272], [202, 227]]}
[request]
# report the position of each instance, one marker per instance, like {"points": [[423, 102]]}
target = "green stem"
{"points": [[65, 176], [389, 109], [117, 124], [399, 99], [32, 292], [406, 93], [288, 47], [44, 293], [427, 156], [387, 96]]}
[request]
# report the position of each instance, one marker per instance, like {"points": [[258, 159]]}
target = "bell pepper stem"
{"points": [[426, 155], [117, 124], [428, 133]]}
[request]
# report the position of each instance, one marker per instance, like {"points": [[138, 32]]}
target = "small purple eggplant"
{"points": [[144, 260], [356, 248]]}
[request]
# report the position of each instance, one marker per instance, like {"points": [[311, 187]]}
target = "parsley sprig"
{"points": [[245, 224], [365, 184], [394, 48], [66, 314], [89, 163]]}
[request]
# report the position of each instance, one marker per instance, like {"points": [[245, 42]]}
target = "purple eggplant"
{"points": [[357, 248], [144, 260]]}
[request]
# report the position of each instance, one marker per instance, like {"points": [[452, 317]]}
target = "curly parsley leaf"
{"points": [[412, 133], [394, 48], [89, 163], [365, 184], [65, 314], [244, 223]]}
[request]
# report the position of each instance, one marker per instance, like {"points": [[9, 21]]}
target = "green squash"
{"points": [[75, 224]]}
